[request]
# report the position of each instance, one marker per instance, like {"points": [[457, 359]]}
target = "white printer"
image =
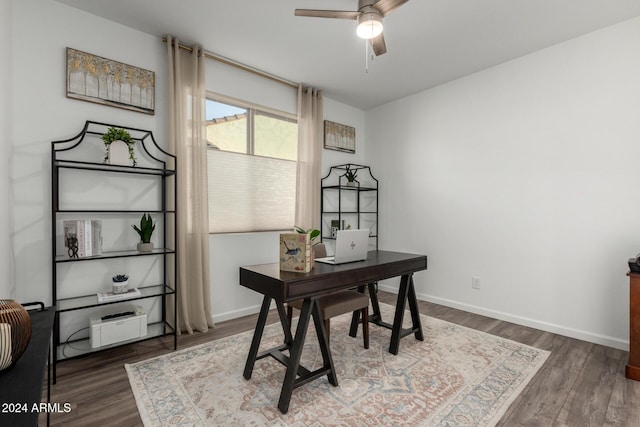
{"points": [[125, 323]]}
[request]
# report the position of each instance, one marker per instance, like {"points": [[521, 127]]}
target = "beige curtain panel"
{"points": [[310, 131], [187, 139]]}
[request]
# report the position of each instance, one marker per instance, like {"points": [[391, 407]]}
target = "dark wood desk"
{"points": [[284, 286], [22, 384]]}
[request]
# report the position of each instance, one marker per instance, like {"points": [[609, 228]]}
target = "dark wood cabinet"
{"points": [[632, 370]]}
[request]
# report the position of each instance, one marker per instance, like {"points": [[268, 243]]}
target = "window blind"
{"points": [[250, 193]]}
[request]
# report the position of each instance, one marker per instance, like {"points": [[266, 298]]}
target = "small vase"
{"points": [[145, 247], [15, 332], [119, 154], [120, 287], [351, 183]]}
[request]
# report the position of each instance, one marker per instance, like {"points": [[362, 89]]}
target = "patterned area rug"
{"points": [[456, 376]]}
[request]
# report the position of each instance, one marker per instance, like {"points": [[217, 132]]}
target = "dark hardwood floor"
{"points": [[581, 384]]}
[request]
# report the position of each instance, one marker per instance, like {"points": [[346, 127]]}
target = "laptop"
{"points": [[351, 246]]}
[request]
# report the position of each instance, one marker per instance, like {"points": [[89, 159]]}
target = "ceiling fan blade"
{"points": [[387, 6], [378, 45], [340, 14]]}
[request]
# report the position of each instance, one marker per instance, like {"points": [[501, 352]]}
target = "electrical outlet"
{"points": [[475, 283]]}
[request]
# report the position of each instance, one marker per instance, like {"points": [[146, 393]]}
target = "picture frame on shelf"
{"points": [[335, 226]]}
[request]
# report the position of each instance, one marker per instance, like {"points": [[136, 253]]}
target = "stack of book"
{"points": [[83, 238], [110, 296]]}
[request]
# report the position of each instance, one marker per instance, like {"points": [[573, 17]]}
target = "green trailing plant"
{"points": [[312, 232], [119, 134], [119, 278], [146, 228]]}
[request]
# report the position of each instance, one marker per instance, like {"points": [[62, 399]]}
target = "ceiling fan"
{"points": [[369, 16]]}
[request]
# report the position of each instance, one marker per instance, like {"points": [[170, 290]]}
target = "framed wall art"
{"points": [[339, 137], [104, 81]]}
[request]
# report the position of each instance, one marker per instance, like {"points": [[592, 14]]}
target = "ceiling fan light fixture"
{"points": [[369, 25]]}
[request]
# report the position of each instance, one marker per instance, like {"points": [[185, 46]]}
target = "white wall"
{"points": [[522, 175], [7, 283], [41, 113]]}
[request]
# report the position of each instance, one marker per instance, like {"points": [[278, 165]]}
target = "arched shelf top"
{"points": [[86, 150]]}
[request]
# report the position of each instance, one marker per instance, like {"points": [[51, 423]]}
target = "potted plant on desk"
{"points": [[317, 248]]}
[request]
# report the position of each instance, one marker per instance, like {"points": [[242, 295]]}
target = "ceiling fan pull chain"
{"points": [[366, 56]]}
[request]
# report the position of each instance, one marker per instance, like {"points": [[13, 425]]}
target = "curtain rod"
{"points": [[243, 67]]}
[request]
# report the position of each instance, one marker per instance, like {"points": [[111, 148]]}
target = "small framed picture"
{"points": [[339, 137]]}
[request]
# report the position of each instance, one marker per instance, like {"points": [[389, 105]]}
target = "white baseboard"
{"points": [[524, 321], [234, 314]]}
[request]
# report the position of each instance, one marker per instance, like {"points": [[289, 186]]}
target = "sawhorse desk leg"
{"points": [[257, 337], [406, 293], [295, 375]]}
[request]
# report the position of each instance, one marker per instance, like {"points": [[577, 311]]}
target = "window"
{"points": [[251, 159]]}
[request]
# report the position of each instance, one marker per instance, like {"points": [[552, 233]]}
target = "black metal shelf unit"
{"points": [[77, 153], [353, 204]]}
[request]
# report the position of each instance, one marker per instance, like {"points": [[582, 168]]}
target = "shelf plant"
{"points": [[118, 278], [120, 283], [351, 176], [118, 134], [145, 231]]}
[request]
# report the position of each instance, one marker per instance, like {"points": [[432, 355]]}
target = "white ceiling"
{"points": [[429, 42]]}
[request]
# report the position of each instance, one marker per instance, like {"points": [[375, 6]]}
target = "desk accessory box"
{"points": [[295, 252]]}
